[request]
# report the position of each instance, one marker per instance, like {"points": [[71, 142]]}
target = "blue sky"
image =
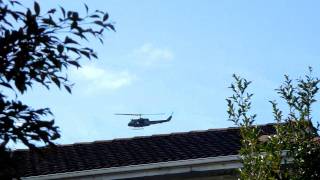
{"points": [[179, 56]]}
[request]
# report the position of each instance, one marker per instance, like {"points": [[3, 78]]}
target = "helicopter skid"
{"points": [[137, 128]]}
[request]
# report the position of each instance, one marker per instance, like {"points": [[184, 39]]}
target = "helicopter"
{"points": [[143, 122]]}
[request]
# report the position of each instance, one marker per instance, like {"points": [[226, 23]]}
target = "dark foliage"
{"points": [[38, 47], [293, 152]]}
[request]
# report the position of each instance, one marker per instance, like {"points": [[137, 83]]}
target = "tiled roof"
{"points": [[132, 151]]}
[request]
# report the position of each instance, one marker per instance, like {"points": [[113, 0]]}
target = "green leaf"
{"points": [[51, 11], [6, 85], [36, 8], [87, 54], [63, 11], [49, 21], [75, 16], [68, 88], [99, 23], [95, 16], [75, 63], [55, 80], [29, 14], [60, 48], [70, 41], [105, 17], [94, 55], [86, 6], [74, 25], [20, 83], [111, 27], [75, 50]]}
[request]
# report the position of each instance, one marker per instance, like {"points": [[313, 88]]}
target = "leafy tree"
{"points": [[293, 152], [37, 47]]}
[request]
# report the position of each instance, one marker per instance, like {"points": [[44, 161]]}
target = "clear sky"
{"points": [[171, 55]]}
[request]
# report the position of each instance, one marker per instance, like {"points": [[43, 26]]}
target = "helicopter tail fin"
{"points": [[170, 117]]}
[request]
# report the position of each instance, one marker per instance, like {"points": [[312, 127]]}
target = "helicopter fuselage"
{"points": [[142, 122]]}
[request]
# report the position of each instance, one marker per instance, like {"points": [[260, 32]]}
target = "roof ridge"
{"points": [[153, 135], [149, 136]]}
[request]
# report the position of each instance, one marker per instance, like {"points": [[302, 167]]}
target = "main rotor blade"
{"points": [[128, 114], [125, 114], [155, 114]]}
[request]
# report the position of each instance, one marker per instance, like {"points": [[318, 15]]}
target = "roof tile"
{"points": [[132, 151]]}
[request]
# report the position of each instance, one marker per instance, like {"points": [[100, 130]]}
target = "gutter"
{"points": [[152, 169]]}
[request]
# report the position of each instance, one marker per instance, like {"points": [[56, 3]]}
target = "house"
{"points": [[202, 155]]}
